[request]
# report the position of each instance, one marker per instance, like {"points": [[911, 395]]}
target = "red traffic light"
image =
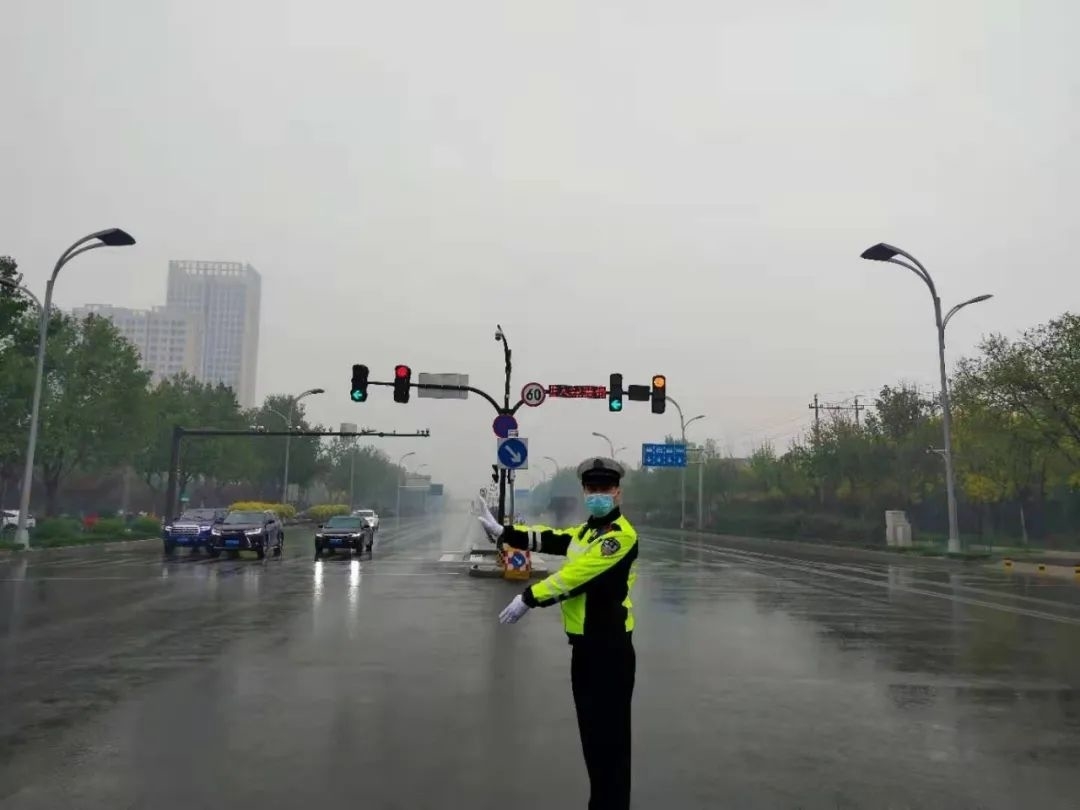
{"points": [[402, 383]]}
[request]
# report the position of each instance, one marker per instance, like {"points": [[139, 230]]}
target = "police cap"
{"points": [[600, 470]]}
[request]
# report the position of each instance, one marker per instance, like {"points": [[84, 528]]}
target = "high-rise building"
{"points": [[225, 296], [169, 340]]}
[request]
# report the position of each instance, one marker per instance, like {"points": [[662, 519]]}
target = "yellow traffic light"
{"points": [[658, 395]]}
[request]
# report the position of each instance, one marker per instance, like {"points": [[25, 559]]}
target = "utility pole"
{"points": [[815, 406], [352, 477], [701, 490], [838, 408]]}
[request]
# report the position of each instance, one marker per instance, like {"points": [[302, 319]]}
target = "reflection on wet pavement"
{"points": [[765, 680]]}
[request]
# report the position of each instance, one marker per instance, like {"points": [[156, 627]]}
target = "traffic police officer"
{"points": [[593, 591]]}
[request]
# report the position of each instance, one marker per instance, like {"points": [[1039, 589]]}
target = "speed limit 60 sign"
{"points": [[533, 394]]}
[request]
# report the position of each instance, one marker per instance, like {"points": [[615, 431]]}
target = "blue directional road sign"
{"points": [[503, 424], [513, 453], [663, 455]]}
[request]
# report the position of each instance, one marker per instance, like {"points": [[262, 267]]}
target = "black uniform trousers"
{"points": [[602, 674]]}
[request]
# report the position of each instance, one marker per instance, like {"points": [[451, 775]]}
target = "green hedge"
{"points": [[56, 529], [285, 511], [324, 511], [108, 527], [145, 527]]}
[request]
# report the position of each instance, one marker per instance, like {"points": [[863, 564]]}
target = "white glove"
{"points": [[487, 520], [514, 611]]}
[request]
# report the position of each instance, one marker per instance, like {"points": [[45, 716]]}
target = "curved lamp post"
{"points": [[611, 446], [110, 237], [288, 426], [882, 252], [683, 425]]}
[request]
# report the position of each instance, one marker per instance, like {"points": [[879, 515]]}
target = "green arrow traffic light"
{"points": [[357, 395]]}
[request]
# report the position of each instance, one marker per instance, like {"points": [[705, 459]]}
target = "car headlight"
{"points": [[320, 536], [168, 529], [216, 532], [356, 536], [253, 532], [204, 528]]}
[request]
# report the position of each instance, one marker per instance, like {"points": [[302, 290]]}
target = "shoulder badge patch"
{"points": [[609, 547]]}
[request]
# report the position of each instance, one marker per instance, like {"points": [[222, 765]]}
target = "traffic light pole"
{"points": [[504, 410], [504, 475], [172, 494]]}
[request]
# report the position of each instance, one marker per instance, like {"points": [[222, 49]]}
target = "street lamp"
{"points": [[553, 461], [611, 446], [288, 436], [882, 252], [401, 469], [16, 286], [683, 424], [110, 237]]}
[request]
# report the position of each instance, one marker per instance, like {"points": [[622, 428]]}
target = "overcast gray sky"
{"points": [[676, 186]]}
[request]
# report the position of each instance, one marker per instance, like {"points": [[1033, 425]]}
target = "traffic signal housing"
{"points": [[402, 381], [659, 393], [615, 394], [358, 392]]}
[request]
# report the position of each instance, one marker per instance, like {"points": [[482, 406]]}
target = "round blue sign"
{"points": [[503, 424], [517, 560]]}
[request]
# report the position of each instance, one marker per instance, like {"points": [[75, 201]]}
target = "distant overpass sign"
{"points": [[663, 455]]}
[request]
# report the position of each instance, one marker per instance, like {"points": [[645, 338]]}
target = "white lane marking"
{"points": [[1035, 614], [916, 578], [69, 579], [144, 579]]}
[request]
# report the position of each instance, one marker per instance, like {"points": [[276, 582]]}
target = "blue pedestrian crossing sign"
{"points": [[663, 455], [513, 453]]}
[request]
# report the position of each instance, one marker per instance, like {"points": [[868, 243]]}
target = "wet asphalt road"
{"points": [[764, 680]]}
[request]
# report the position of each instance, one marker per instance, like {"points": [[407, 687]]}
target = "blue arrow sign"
{"points": [[513, 453], [663, 455]]}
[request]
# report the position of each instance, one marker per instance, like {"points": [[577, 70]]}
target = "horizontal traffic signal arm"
{"points": [[423, 434], [432, 387]]}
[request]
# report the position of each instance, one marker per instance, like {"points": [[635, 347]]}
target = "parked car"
{"points": [[9, 521], [192, 529], [350, 532], [247, 530], [370, 515]]}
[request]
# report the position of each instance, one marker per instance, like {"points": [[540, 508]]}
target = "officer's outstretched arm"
{"points": [[542, 539], [605, 553]]}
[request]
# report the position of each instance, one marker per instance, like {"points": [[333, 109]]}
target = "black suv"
{"points": [[352, 533], [245, 530]]}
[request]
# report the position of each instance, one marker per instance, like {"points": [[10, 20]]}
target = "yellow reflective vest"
{"points": [[593, 587]]}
